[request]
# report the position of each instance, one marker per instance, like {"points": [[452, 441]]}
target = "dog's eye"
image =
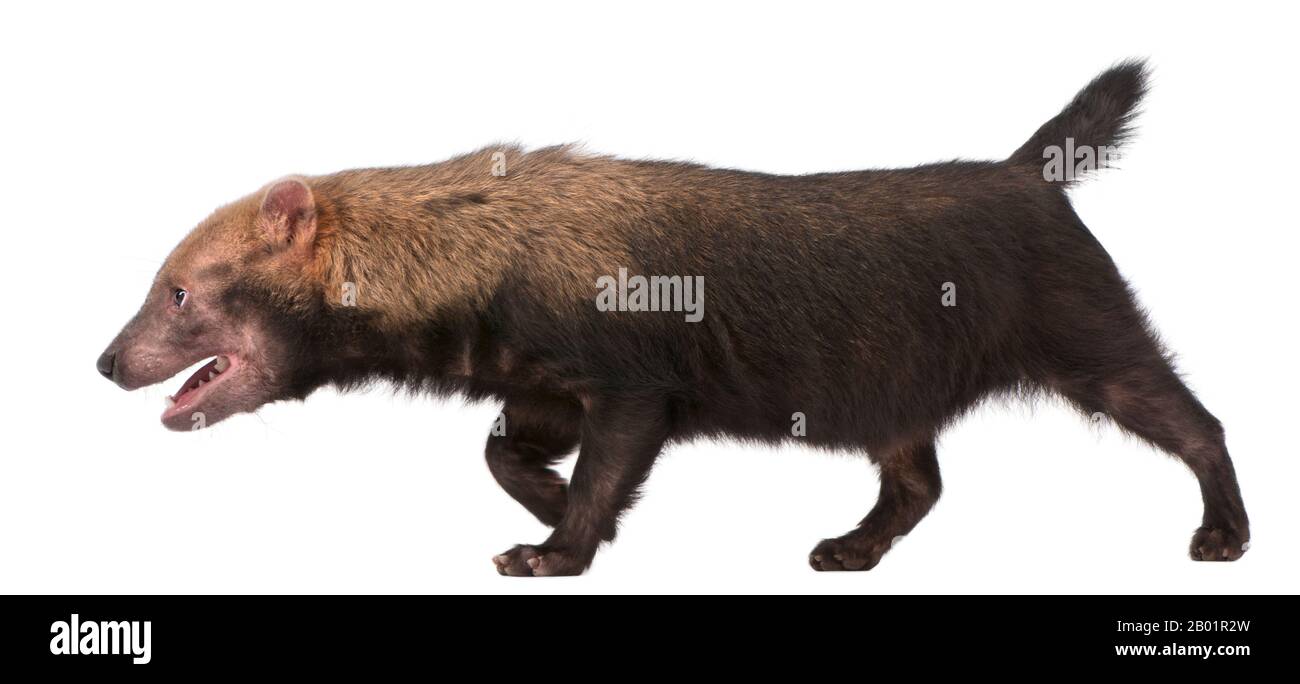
{"points": [[180, 297]]}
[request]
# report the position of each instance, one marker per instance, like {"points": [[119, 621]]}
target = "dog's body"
{"points": [[859, 311]]}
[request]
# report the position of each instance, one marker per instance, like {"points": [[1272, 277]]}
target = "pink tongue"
{"points": [[201, 374]]}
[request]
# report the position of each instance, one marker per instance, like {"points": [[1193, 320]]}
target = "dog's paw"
{"points": [[1217, 544], [846, 553], [539, 561]]}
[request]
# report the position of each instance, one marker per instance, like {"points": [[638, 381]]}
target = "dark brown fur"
{"points": [[822, 298]]}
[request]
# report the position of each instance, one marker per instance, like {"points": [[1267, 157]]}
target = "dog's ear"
{"points": [[287, 217]]}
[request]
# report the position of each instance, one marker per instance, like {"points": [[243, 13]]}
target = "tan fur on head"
{"points": [[266, 239], [417, 242]]}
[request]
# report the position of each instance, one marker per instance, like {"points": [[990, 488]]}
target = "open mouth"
{"points": [[191, 393]]}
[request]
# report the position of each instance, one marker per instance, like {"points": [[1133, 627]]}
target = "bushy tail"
{"points": [[1100, 116]]}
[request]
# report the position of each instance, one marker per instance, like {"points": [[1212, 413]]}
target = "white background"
{"points": [[123, 126]]}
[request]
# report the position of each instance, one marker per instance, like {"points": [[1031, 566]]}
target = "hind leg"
{"points": [[909, 486], [1148, 399], [538, 433]]}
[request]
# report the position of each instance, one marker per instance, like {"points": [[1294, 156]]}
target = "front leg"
{"points": [[538, 433], [620, 437]]}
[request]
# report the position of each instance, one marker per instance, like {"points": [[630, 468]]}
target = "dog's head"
{"points": [[233, 291]]}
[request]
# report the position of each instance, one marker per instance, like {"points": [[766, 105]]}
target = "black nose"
{"points": [[105, 364]]}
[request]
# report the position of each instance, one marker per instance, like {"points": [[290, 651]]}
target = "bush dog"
{"points": [[858, 311]]}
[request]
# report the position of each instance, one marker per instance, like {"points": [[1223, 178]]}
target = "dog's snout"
{"points": [[107, 362]]}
